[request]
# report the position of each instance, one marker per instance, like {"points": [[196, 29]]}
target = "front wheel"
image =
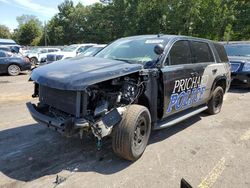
{"points": [[215, 103], [14, 70], [130, 137], [34, 60]]}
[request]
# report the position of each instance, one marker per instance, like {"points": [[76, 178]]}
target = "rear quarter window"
{"points": [[201, 52], [221, 52], [2, 54]]}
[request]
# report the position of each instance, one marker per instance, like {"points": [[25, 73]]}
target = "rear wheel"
{"points": [[14, 70], [215, 103], [131, 136]]}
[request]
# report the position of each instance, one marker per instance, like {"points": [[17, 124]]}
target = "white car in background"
{"points": [[93, 50], [69, 52], [39, 54]]}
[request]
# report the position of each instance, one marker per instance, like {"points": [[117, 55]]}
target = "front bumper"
{"points": [[44, 119], [26, 66], [241, 79], [70, 126]]}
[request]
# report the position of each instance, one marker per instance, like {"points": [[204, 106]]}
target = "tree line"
{"points": [[108, 20]]}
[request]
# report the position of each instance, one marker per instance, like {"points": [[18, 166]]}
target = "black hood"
{"points": [[79, 73]]}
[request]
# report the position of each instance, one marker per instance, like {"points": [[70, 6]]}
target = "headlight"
{"points": [[246, 67]]}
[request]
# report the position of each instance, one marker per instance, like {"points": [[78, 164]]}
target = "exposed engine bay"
{"points": [[96, 109]]}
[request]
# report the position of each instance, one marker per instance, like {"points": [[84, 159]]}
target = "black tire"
{"points": [[13, 70], [130, 137], [215, 103], [34, 60]]}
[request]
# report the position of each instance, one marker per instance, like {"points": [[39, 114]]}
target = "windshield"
{"points": [[70, 48], [133, 50], [238, 50]]}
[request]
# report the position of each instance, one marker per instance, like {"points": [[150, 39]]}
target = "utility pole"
{"points": [[45, 33]]}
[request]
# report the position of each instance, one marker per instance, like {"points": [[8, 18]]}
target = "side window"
{"points": [[201, 52], [51, 50], [179, 53], [2, 54], [221, 52], [81, 49], [43, 51]]}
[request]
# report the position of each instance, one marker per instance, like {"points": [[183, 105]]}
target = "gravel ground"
{"points": [[207, 151]]}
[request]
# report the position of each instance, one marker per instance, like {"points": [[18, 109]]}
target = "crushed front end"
{"points": [[97, 108]]}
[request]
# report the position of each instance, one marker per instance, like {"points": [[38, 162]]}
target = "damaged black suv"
{"points": [[134, 85]]}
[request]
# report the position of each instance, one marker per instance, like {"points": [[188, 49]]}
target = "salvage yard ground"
{"points": [[207, 151]]}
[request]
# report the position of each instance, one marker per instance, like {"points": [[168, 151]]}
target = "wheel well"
{"points": [[34, 57], [143, 100], [222, 83]]}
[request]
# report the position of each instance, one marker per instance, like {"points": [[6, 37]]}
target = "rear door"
{"points": [[183, 75], [3, 62], [204, 67]]}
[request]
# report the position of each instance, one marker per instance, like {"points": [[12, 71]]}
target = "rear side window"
{"points": [[5, 49], [43, 51], [221, 52], [2, 54], [180, 53], [201, 52]]}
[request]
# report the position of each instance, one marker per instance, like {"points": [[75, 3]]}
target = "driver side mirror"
{"points": [[159, 49]]}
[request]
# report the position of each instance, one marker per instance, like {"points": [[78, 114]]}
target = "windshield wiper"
{"points": [[125, 60]]}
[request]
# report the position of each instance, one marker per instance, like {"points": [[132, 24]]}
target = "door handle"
{"points": [[214, 71], [194, 74]]}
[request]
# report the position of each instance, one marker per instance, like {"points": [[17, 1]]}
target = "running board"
{"points": [[174, 120]]}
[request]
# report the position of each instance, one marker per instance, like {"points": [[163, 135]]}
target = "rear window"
{"points": [[221, 52], [201, 52], [238, 50]]}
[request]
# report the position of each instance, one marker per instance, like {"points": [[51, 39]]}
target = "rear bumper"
{"points": [[241, 79]]}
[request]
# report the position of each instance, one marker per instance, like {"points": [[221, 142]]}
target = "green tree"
{"points": [[111, 19], [29, 32], [4, 32], [241, 24], [25, 18]]}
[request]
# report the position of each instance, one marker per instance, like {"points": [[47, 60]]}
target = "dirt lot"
{"points": [[208, 151]]}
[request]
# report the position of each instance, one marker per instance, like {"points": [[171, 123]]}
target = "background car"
{"points": [[13, 64], [93, 50], [6, 49], [239, 57], [38, 54], [68, 52]]}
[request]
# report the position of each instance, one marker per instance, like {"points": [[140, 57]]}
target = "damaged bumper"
{"points": [[100, 128], [44, 119]]}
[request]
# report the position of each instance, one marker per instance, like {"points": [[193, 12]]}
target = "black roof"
{"points": [[165, 37]]}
